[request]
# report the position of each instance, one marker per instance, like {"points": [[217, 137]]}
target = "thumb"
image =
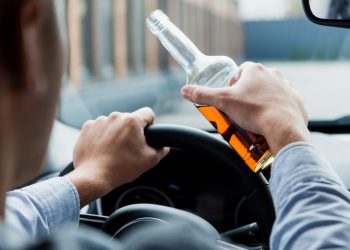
{"points": [[202, 95]]}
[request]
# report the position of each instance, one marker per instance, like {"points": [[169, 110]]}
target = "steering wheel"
{"points": [[253, 186]]}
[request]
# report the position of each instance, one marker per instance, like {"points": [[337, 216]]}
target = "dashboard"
{"points": [[188, 181]]}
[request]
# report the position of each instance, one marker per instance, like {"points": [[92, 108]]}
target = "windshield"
{"points": [[116, 64]]}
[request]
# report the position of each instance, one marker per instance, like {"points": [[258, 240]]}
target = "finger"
{"points": [[146, 115], [88, 128], [114, 115], [235, 77], [238, 73], [251, 68], [88, 124], [161, 153], [202, 95], [100, 124], [101, 119], [246, 65]]}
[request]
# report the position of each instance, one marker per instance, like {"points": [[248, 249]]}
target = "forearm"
{"points": [[44, 208], [312, 205]]}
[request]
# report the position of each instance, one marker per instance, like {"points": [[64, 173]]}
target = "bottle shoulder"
{"points": [[214, 72]]}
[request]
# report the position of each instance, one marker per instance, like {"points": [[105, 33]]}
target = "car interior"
{"points": [[116, 64]]}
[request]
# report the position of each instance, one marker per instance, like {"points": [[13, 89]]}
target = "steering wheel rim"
{"points": [[254, 186]]}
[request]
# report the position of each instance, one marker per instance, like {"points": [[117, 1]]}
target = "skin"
{"points": [[260, 100], [105, 156], [112, 151]]}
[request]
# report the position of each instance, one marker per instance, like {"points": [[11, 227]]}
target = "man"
{"points": [[310, 200], [106, 156]]}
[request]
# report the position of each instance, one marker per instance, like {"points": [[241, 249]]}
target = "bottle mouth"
{"points": [[156, 22]]}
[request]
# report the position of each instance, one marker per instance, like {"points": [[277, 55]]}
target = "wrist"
{"points": [[281, 136], [89, 185]]}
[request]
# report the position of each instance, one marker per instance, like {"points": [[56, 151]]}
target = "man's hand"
{"points": [[112, 151], [260, 100]]}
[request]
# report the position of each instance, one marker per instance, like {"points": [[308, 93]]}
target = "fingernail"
{"points": [[234, 79], [185, 91]]}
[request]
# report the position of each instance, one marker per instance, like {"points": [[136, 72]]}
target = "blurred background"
{"points": [[116, 64], [109, 40]]}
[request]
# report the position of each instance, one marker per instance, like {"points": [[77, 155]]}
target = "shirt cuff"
{"points": [[298, 162], [59, 201]]}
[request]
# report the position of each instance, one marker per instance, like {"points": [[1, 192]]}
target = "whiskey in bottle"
{"points": [[213, 72]]}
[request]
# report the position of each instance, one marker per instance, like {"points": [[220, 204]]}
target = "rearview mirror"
{"points": [[328, 12]]}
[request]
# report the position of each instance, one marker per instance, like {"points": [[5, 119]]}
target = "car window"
{"points": [[116, 64]]}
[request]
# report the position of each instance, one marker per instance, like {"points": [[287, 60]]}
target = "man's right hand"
{"points": [[260, 100], [112, 151]]}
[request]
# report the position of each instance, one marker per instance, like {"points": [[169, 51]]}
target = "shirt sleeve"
{"points": [[312, 204], [44, 208]]}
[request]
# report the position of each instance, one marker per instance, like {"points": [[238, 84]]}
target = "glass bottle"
{"points": [[214, 72]]}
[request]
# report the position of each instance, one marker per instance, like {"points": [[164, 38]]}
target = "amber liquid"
{"points": [[252, 148]]}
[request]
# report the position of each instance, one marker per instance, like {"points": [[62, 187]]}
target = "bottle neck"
{"points": [[174, 40]]}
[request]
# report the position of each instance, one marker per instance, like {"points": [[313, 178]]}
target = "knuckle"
{"points": [[88, 124], [130, 120], [149, 110], [276, 72], [252, 66], [101, 118], [247, 64], [259, 66], [198, 95], [114, 115]]}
